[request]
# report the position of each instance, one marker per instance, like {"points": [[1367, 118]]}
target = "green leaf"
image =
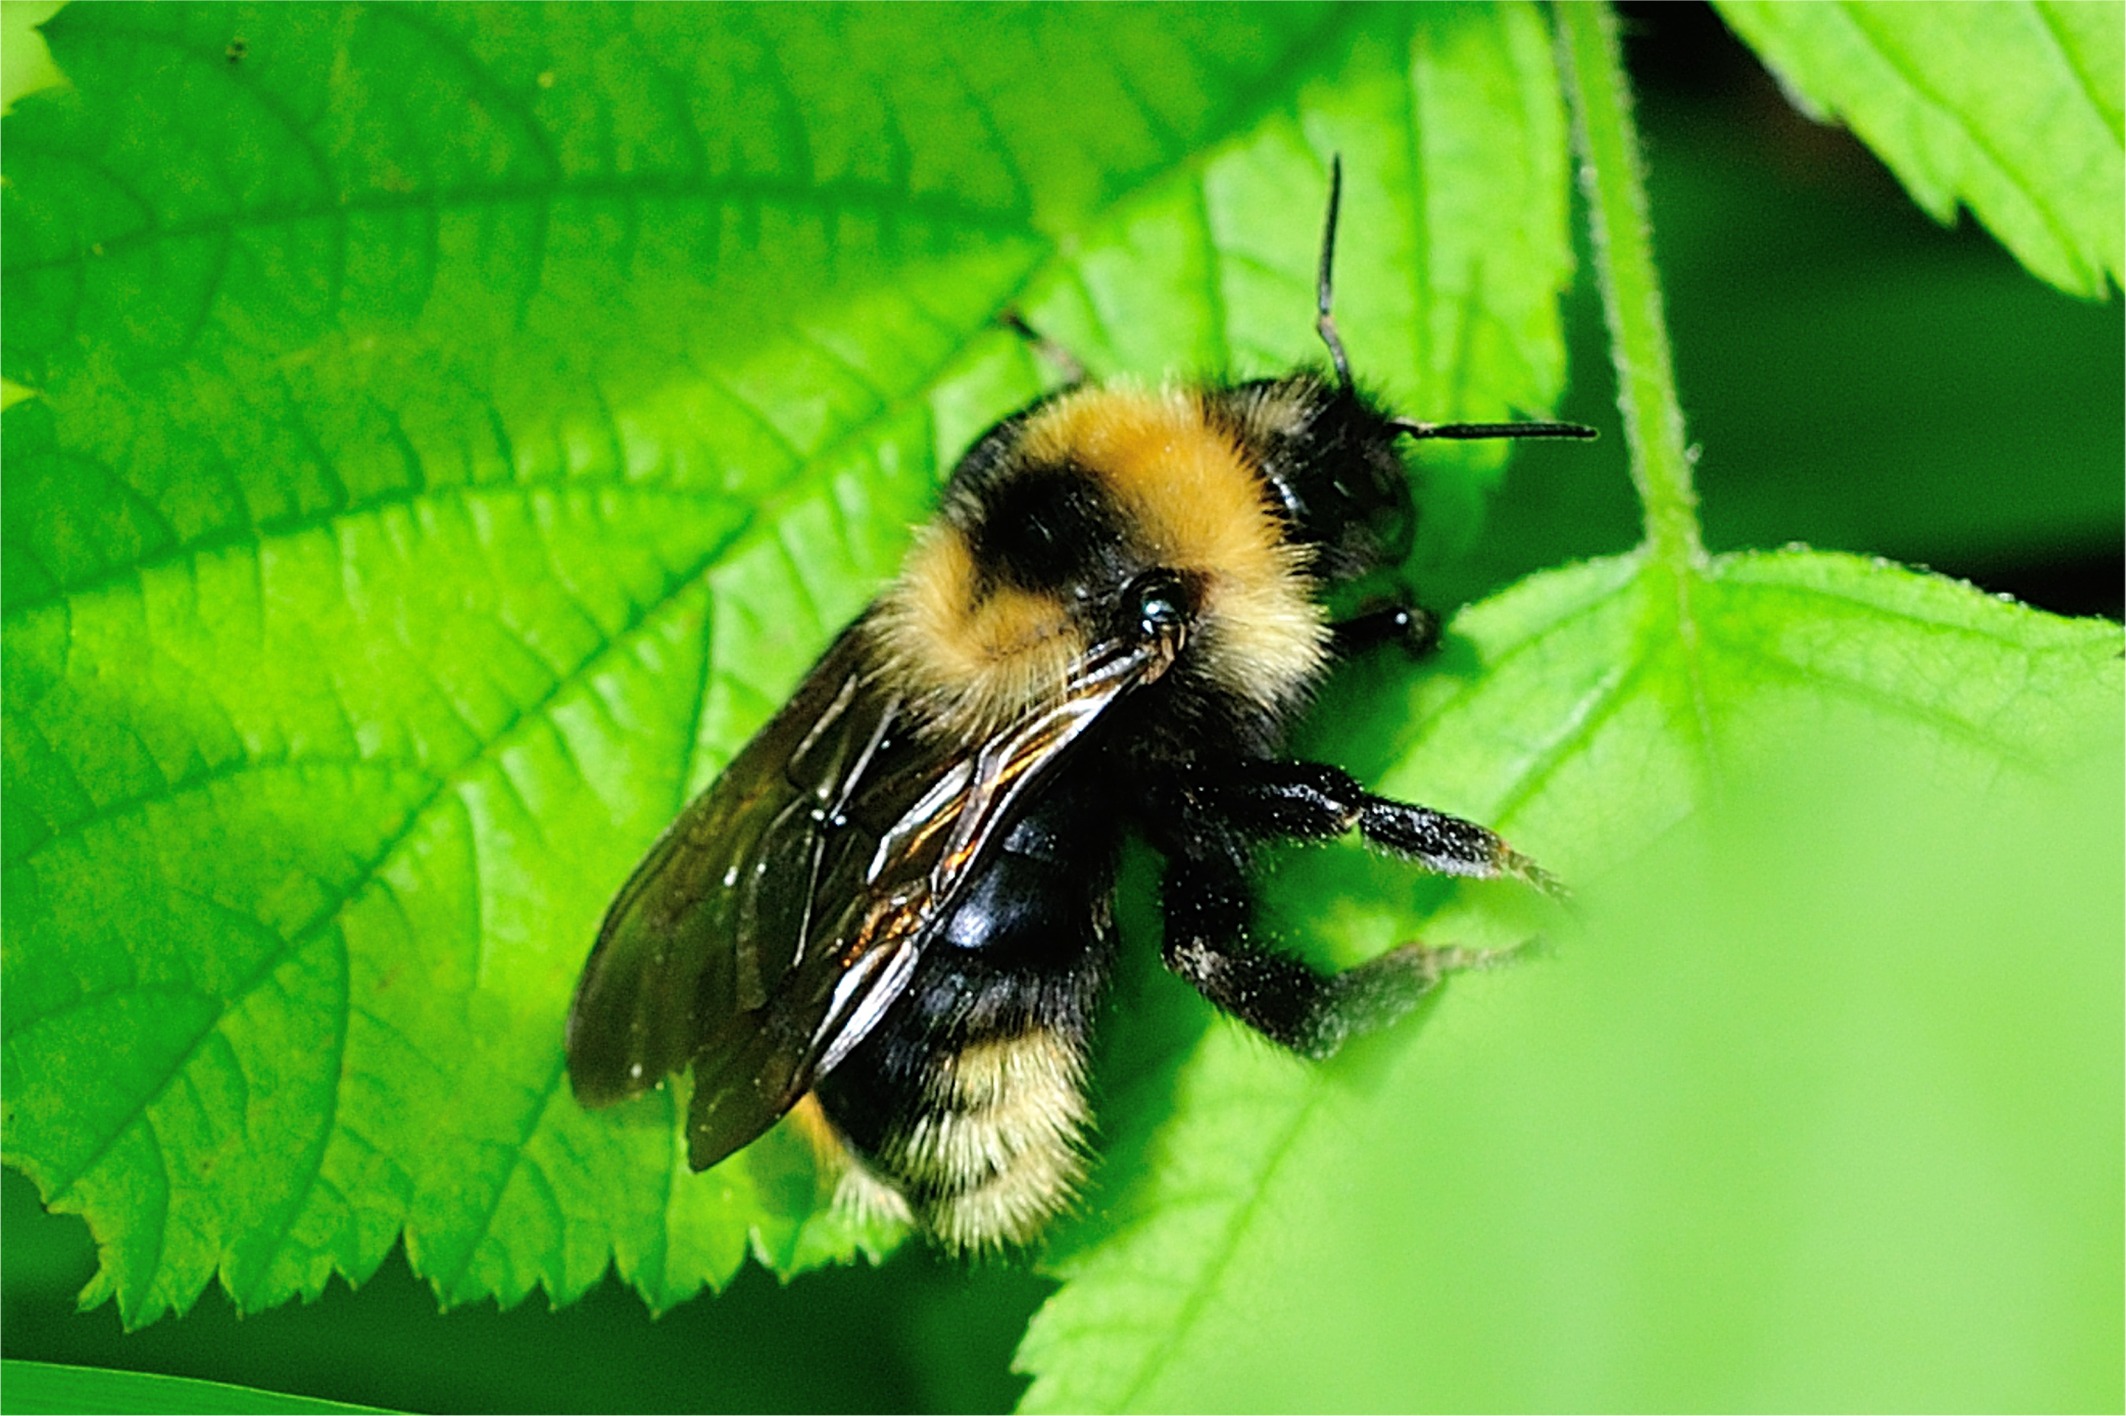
{"points": [[47, 1386], [1836, 1054], [1734, 1189], [2016, 110], [25, 64], [454, 429]]}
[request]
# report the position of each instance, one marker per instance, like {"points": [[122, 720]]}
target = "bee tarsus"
{"points": [[1412, 626]]}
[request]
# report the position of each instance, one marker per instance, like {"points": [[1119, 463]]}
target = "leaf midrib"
{"points": [[829, 199]]}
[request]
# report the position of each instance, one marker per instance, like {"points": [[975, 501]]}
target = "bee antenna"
{"points": [[1324, 322], [1466, 432]]}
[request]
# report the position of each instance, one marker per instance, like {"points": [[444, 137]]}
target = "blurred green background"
{"points": [[1858, 377]]}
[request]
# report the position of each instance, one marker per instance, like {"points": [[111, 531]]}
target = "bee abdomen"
{"points": [[995, 1150], [1000, 1149], [965, 1112]]}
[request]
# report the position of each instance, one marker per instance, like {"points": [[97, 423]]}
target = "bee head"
{"points": [[1329, 455], [1329, 461], [1199, 518]]}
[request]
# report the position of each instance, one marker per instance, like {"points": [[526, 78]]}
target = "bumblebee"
{"points": [[895, 905]]}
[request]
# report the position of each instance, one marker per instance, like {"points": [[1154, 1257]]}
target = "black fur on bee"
{"points": [[895, 905]]}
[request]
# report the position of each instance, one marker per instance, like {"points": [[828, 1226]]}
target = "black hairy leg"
{"points": [[1314, 801], [1208, 906], [1414, 627], [1069, 365]]}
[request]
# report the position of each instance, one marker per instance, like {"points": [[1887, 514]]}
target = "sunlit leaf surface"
{"points": [[453, 431], [1835, 1048]]}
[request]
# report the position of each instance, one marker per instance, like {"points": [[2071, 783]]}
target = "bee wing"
{"points": [[784, 912], [718, 910]]}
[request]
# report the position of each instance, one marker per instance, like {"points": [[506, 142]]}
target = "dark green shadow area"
{"points": [[918, 1333]]}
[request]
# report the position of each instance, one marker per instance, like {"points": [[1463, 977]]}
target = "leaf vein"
{"points": [[313, 1165], [1197, 1295], [534, 1113], [1946, 723], [2113, 121], [1214, 301]]}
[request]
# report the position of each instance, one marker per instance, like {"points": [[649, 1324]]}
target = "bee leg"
{"points": [[1207, 909], [1314, 801], [1414, 627], [1066, 363]]}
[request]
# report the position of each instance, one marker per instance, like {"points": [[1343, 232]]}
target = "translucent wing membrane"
{"points": [[776, 922]]}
